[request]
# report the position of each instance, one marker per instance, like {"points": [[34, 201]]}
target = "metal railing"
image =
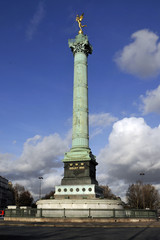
{"points": [[80, 213]]}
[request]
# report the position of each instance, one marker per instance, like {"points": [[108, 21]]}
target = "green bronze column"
{"points": [[80, 133], [79, 179], [80, 150], [79, 162]]}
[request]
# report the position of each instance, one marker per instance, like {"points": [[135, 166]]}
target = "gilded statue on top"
{"points": [[79, 20]]}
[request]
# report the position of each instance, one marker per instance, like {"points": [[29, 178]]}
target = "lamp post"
{"points": [[142, 174], [40, 178]]}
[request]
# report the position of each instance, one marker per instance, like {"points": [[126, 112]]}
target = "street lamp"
{"points": [[40, 178], [142, 174]]}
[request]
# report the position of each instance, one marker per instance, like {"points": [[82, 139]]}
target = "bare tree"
{"points": [[25, 199], [18, 189], [107, 192], [49, 195], [22, 197], [151, 196], [142, 196]]}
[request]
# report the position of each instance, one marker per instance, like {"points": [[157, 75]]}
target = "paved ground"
{"points": [[56, 231], [65, 223], [87, 233]]}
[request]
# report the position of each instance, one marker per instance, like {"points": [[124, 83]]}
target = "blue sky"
{"points": [[36, 76]]}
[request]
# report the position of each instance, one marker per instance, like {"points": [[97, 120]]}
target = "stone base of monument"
{"points": [[79, 208], [78, 201], [89, 191]]}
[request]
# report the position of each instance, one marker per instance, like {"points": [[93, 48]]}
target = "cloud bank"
{"points": [[98, 122], [151, 101], [101, 119], [133, 147], [141, 57], [41, 156]]}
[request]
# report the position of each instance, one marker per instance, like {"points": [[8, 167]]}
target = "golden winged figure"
{"points": [[79, 20]]}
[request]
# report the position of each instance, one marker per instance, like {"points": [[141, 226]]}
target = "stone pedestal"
{"points": [[74, 208], [79, 172], [79, 204]]}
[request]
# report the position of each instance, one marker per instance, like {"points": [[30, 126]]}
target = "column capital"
{"points": [[80, 44]]}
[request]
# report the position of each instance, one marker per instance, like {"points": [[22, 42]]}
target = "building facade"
{"points": [[6, 195]]}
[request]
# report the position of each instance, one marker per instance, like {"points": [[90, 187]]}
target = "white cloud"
{"points": [[100, 121], [5, 163], [151, 102], [41, 156], [35, 21], [133, 147], [142, 56]]}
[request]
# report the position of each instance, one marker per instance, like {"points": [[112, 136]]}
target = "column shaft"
{"points": [[80, 136]]}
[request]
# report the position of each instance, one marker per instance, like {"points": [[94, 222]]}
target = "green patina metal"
{"points": [[80, 150], [79, 162]]}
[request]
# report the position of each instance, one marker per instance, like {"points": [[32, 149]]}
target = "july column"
{"points": [[80, 133]]}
